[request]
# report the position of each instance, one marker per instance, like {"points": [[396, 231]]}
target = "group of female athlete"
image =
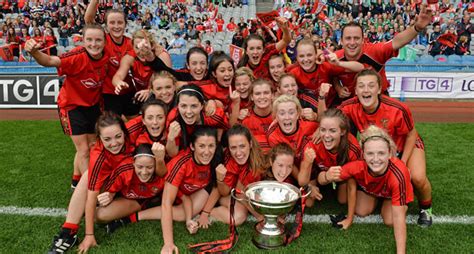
{"points": [[154, 143]]}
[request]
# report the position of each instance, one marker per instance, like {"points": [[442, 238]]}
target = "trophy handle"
{"points": [[307, 189], [233, 194]]}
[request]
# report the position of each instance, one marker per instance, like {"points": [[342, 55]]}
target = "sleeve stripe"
{"points": [[406, 116], [220, 121], [348, 102], [177, 167], [94, 173], [117, 172], [355, 150], [309, 100], [401, 183]]}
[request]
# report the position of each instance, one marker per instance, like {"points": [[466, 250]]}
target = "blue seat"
{"points": [[454, 59], [426, 59], [467, 59]]}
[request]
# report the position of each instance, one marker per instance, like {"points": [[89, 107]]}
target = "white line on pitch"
{"points": [[308, 218]]}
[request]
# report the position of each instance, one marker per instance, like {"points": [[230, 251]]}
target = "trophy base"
{"points": [[270, 241]]}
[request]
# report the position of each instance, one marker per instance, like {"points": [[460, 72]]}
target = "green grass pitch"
{"points": [[36, 164]]}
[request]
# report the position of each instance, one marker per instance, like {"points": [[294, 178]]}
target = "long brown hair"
{"points": [[256, 159], [343, 147]]}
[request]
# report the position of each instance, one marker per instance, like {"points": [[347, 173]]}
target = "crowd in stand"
{"points": [[381, 22]]}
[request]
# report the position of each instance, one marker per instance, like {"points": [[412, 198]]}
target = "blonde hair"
{"points": [[286, 98], [161, 74], [144, 34], [244, 71], [376, 133]]}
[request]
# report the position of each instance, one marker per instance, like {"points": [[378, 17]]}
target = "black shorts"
{"points": [[80, 120], [150, 202], [122, 104]]}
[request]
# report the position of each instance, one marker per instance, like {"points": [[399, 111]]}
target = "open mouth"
{"points": [[189, 119]]}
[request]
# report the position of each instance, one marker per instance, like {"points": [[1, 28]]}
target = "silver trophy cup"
{"points": [[271, 199]]}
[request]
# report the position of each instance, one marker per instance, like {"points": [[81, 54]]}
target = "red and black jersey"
{"points": [[218, 120], [84, 79], [310, 82], [125, 181], [325, 159], [261, 71], [214, 91], [135, 128], [395, 183], [141, 75], [102, 163], [391, 115], [186, 174], [296, 140], [236, 172], [374, 55], [258, 126], [308, 100], [116, 52]]}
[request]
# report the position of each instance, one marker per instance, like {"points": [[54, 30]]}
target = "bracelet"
{"points": [[325, 176], [89, 234], [220, 181], [205, 212], [321, 97], [418, 31]]}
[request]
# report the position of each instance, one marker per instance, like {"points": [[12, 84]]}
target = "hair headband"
{"points": [[192, 90], [143, 154], [376, 136]]}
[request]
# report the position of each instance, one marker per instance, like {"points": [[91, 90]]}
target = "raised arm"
{"points": [[422, 20], [118, 80], [159, 151], [286, 39], [89, 16], [33, 46]]}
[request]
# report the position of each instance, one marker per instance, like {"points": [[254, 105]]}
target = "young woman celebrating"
{"points": [[189, 113], [287, 85], [314, 68], [150, 126], [371, 107], [336, 148], [111, 148], [257, 55], [382, 175], [259, 116], [289, 128], [189, 174], [85, 69], [116, 45], [244, 164], [163, 88], [138, 183], [133, 66]]}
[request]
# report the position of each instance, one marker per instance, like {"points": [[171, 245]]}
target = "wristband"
{"points": [[205, 212], [321, 97], [418, 31], [89, 234]]}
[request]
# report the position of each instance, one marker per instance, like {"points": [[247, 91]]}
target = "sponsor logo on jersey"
{"points": [[90, 83]]}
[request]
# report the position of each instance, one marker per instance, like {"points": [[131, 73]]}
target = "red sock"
{"points": [[71, 226], [76, 177], [425, 204], [133, 218]]}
